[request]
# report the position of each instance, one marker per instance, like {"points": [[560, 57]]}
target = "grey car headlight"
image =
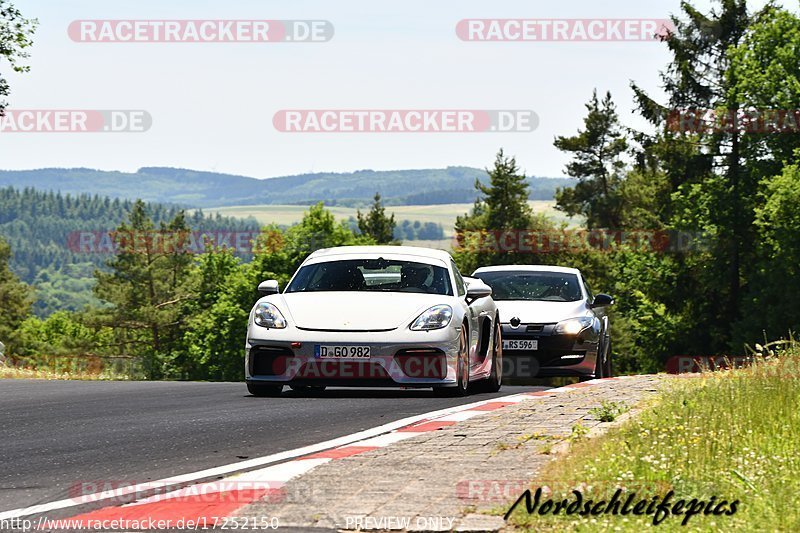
{"points": [[437, 317], [573, 326], [267, 315]]}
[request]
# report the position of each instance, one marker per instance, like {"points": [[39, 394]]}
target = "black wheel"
{"points": [[263, 390], [600, 364], [308, 389], [598, 367], [495, 380], [608, 369], [462, 371]]}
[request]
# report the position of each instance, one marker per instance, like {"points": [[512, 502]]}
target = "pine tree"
{"points": [[146, 284], [15, 299], [376, 224], [503, 202], [598, 166], [502, 206]]}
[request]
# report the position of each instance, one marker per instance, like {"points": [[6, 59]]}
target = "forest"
{"points": [[184, 316]]}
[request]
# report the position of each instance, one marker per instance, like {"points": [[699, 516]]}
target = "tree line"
{"points": [[720, 164], [179, 315], [44, 228], [733, 187]]}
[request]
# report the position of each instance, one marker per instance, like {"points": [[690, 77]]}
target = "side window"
{"points": [[461, 287], [588, 289]]}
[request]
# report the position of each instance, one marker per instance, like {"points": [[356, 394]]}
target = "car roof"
{"points": [[528, 268], [412, 251]]}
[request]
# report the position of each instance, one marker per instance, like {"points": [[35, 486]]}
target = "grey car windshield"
{"points": [[379, 275], [532, 286]]}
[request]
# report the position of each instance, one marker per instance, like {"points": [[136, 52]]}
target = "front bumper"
{"points": [[397, 358], [556, 354]]}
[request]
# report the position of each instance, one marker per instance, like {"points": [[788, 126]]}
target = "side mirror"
{"points": [[477, 290], [602, 300], [268, 287]]}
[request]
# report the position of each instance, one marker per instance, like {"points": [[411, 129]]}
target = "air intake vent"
{"points": [[429, 363], [269, 361]]}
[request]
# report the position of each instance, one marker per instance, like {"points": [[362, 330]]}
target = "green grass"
{"points": [[608, 411], [441, 214], [32, 373], [66, 367], [730, 434]]}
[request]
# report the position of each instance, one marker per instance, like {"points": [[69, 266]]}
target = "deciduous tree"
{"points": [[15, 38]]}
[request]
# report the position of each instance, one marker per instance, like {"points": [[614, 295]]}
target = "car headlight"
{"points": [[437, 317], [267, 315], [573, 326]]}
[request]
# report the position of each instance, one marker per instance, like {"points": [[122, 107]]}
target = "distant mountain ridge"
{"points": [[192, 188]]}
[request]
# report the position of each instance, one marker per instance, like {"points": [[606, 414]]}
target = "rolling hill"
{"points": [[190, 188]]}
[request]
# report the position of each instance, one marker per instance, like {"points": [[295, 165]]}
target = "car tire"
{"points": [[263, 390], [462, 375], [495, 380], [599, 366], [608, 369]]}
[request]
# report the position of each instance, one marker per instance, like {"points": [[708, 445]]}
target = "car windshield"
{"points": [[366, 275], [532, 286]]}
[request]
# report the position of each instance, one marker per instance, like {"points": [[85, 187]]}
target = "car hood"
{"points": [[355, 311], [540, 312]]}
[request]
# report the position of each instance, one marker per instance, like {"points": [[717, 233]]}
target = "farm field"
{"points": [[444, 214]]}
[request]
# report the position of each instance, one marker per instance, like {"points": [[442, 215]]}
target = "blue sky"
{"points": [[212, 104]]}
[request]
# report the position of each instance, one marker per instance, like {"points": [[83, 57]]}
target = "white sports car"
{"points": [[374, 316]]}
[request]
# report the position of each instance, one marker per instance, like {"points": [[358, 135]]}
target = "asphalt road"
{"points": [[59, 433]]}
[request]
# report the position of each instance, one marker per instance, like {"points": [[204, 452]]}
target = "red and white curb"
{"points": [[208, 501]]}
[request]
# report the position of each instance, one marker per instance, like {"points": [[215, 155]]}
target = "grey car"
{"points": [[552, 324]]}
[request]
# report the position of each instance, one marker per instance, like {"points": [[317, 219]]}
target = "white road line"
{"points": [[460, 416], [389, 438], [271, 477], [283, 472], [242, 465]]}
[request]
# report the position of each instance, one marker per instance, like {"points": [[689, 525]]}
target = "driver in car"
{"points": [[414, 277]]}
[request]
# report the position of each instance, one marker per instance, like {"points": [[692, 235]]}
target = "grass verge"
{"points": [[29, 373], [728, 435]]}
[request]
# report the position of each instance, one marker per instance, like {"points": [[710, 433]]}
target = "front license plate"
{"points": [[338, 351], [527, 344]]}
